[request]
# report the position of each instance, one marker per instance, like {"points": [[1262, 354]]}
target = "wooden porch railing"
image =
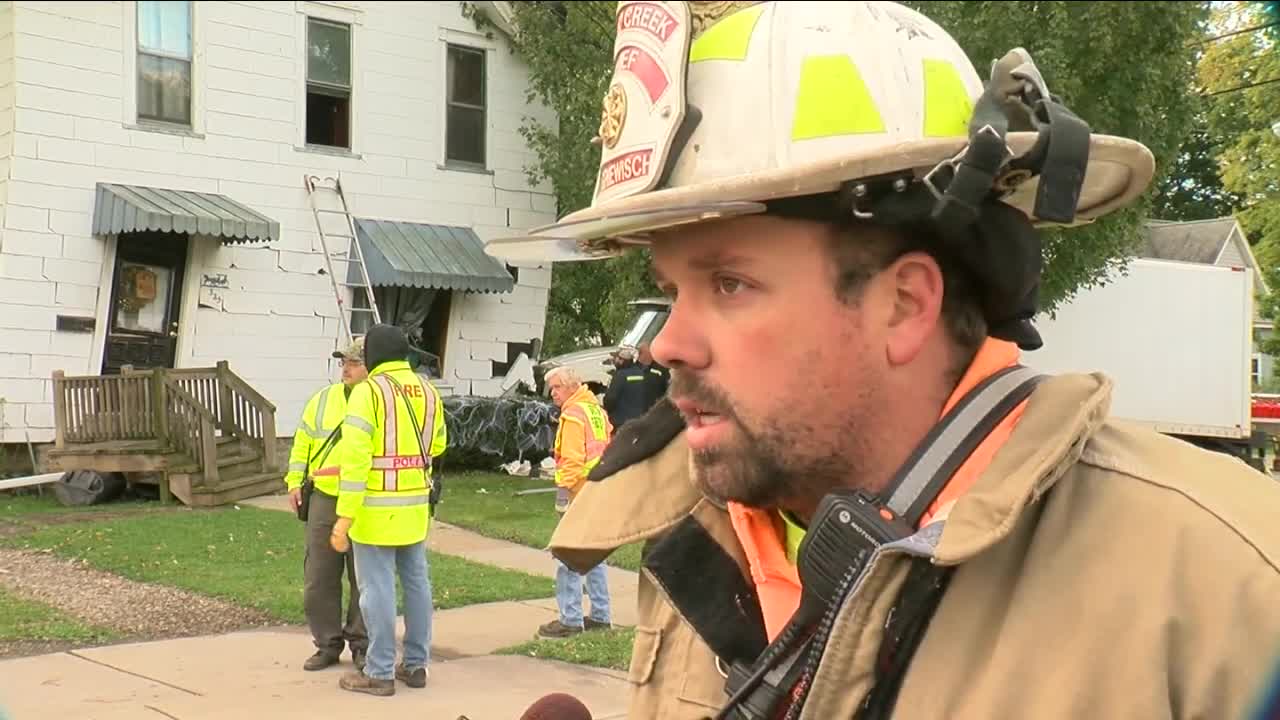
{"points": [[186, 410], [191, 429]]}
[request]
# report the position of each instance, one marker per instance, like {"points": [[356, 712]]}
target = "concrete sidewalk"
{"points": [[256, 674]]}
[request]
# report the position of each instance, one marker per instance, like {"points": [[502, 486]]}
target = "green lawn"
{"points": [[14, 506], [486, 503], [598, 648], [24, 620], [249, 556]]}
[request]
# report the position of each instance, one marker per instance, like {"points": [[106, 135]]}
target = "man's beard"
{"points": [[760, 468]]}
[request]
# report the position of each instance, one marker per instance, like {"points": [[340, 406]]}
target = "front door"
{"points": [[146, 296]]}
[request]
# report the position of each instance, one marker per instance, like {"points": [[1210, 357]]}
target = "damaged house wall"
{"points": [[69, 120]]}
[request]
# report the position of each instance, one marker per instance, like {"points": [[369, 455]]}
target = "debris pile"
{"points": [[486, 432]]}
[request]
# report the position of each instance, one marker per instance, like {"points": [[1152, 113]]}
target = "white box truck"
{"points": [[1176, 338]]}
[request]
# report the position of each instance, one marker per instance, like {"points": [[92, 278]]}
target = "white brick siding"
{"points": [[68, 122]]}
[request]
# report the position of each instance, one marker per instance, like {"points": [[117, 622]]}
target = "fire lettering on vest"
{"points": [[650, 18], [637, 61], [412, 390], [631, 166]]}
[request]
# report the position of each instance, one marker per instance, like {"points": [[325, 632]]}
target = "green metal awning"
{"points": [[417, 255], [132, 208]]}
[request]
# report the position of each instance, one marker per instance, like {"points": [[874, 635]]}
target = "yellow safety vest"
{"points": [[321, 416], [385, 482], [596, 432]]}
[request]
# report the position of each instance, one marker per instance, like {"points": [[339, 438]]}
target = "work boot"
{"points": [[361, 683], [321, 660], [357, 659], [415, 679], [589, 624], [557, 629]]}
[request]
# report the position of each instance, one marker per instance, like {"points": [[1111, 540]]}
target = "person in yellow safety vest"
{"points": [[312, 458], [394, 427], [583, 434]]}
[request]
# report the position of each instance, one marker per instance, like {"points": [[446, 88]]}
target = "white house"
{"points": [[153, 209]]}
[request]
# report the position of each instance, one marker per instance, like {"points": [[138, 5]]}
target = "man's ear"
{"points": [[916, 282]]}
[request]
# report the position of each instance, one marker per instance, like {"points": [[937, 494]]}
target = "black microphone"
{"points": [[557, 706]]}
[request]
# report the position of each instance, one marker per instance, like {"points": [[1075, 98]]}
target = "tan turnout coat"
{"points": [[1102, 571]]}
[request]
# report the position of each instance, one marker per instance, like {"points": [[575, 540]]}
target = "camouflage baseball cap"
{"points": [[354, 351]]}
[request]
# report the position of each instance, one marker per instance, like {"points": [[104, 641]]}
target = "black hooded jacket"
{"points": [[384, 343]]}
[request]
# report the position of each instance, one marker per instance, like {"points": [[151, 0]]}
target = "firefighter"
{"points": [[582, 435], [312, 462], [629, 393], [847, 219], [393, 430]]}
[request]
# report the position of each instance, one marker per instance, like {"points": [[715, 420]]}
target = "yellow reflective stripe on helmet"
{"points": [[728, 39], [947, 107], [833, 100]]}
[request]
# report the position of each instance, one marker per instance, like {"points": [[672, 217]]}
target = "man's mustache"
{"points": [[711, 400]]}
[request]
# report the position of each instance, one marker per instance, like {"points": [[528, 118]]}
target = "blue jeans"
{"points": [[569, 594], [376, 570]]}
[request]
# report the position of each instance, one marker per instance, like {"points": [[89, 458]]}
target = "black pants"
{"points": [[322, 570]]}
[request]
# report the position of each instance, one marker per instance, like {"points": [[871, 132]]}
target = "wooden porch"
{"points": [[202, 434]]}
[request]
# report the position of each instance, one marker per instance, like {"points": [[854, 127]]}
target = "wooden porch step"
{"points": [[231, 491], [113, 447], [142, 456]]}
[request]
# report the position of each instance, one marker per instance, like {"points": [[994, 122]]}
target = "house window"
{"points": [[164, 61], [1255, 370], [465, 123], [328, 83]]}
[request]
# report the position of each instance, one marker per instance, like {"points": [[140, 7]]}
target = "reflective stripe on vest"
{"points": [[392, 461]]}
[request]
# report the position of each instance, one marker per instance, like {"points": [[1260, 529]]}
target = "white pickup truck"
{"points": [[592, 364]]}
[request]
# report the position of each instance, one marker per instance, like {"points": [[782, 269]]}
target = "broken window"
{"points": [[164, 61], [328, 83], [465, 123]]}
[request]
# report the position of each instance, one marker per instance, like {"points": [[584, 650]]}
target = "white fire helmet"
{"points": [[716, 108]]}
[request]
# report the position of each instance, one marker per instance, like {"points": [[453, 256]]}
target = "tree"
{"points": [[1239, 76], [1126, 68]]}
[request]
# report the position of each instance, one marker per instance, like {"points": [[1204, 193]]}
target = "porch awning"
{"points": [[417, 255], [133, 208]]}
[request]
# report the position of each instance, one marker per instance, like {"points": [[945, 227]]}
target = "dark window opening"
{"points": [[515, 272], [328, 119]]}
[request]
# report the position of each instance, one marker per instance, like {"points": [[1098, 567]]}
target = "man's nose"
{"points": [[681, 341]]}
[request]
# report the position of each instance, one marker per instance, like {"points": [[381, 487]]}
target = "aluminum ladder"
{"points": [[352, 255]]}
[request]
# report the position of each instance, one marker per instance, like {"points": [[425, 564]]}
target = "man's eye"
{"points": [[728, 285]]}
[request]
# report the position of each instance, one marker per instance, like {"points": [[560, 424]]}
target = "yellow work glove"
{"points": [[338, 538]]}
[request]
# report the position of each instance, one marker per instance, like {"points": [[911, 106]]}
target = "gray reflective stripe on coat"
{"points": [[394, 500], [360, 423], [937, 454], [352, 486], [324, 400], [297, 467], [313, 433]]}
